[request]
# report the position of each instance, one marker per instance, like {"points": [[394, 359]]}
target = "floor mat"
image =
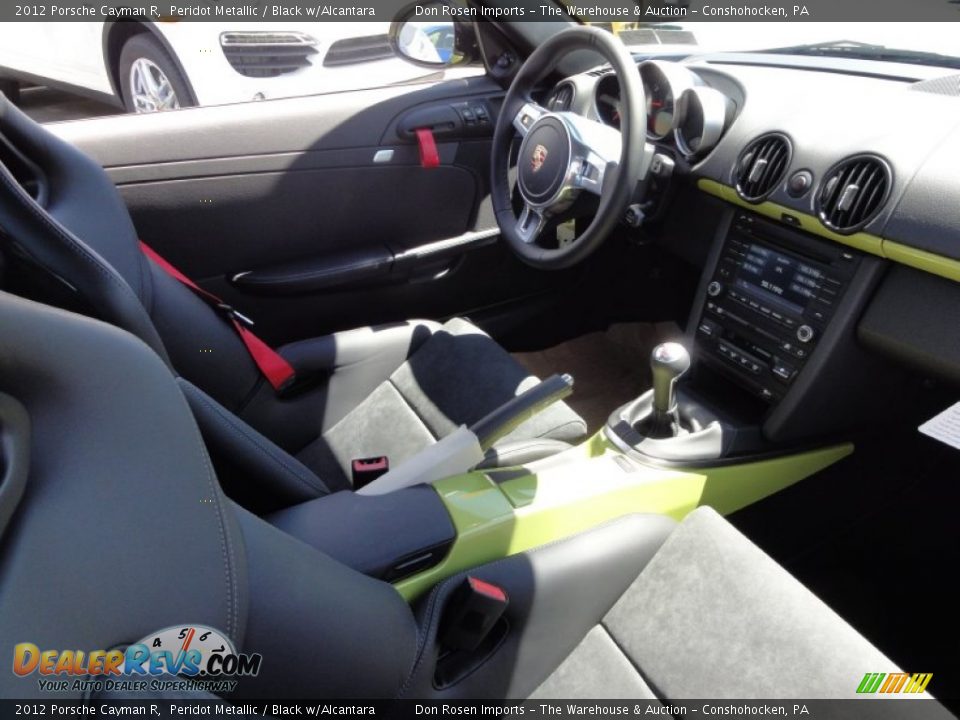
{"points": [[609, 368]]}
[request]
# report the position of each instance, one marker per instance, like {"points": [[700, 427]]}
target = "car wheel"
{"points": [[11, 88], [150, 80]]}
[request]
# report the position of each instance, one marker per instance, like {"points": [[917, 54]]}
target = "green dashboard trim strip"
{"points": [[881, 247], [922, 260], [586, 487], [861, 241]]}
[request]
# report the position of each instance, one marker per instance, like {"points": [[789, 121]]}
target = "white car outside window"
{"points": [[165, 65]]}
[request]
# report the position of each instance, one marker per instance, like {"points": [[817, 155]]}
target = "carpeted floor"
{"points": [[609, 368]]}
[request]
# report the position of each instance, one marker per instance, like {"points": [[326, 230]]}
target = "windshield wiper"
{"points": [[866, 51]]}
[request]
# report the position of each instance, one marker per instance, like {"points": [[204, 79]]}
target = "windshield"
{"points": [[920, 43]]}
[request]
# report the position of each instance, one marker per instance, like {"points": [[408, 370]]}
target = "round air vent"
{"points": [[761, 166], [852, 193], [561, 99]]}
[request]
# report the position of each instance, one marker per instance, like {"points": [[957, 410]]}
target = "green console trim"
{"points": [[889, 249], [498, 513]]}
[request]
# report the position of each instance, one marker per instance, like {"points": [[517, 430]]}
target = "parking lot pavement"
{"points": [[45, 104]]}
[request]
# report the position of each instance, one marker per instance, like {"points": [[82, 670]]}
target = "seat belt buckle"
{"points": [[473, 611], [366, 470]]}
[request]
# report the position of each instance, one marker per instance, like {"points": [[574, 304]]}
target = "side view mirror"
{"points": [[425, 34]]}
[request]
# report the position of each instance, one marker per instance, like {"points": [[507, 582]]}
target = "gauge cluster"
{"points": [[682, 110], [663, 84]]}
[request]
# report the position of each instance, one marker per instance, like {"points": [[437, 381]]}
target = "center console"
{"points": [[775, 358], [769, 302]]}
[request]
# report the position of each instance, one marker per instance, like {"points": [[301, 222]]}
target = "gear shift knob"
{"points": [[668, 362]]}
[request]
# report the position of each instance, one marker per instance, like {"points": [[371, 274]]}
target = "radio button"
{"points": [[714, 289], [783, 371], [805, 333]]}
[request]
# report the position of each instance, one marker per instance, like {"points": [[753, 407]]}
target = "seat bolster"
{"points": [[267, 470], [461, 375], [712, 616], [387, 345]]}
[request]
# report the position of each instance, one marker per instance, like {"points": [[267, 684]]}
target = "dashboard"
{"points": [[837, 184], [836, 123]]}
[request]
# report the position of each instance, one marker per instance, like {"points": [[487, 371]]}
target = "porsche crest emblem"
{"points": [[538, 158]]}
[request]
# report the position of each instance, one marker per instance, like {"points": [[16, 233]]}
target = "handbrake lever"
{"points": [[464, 448], [506, 418]]}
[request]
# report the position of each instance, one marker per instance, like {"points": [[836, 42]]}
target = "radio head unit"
{"points": [[770, 298]]}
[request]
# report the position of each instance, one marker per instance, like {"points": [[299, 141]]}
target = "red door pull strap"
{"points": [[429, 155]]}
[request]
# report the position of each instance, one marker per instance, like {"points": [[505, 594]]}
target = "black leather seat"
{"points": [[113, 515], [377, 391]]}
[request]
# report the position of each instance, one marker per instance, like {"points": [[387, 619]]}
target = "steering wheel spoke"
{"points": [[596, 150], [528, 115], [530, 224], [590, 172]]}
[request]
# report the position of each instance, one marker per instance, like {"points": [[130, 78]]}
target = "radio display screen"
{"points": [[773, 275]]}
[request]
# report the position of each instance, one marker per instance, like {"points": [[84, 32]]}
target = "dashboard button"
{"points": [[784, 372], [714, 289], [799, 183], [805, 333], [708, 328]]}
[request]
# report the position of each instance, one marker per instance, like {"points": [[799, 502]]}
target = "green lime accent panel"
{"points": [[861, 241], [922, 260], [889, 249], [585, 487], [733, 487]]}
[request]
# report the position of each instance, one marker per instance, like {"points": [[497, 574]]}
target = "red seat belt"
{"points": [[275, 369]]}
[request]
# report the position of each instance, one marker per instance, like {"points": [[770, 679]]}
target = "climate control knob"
{"points": [[714, 289], [804, 333]]}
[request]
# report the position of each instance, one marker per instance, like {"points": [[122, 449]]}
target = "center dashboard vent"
{"points": [[853, 192], [561, 99], [761, 166]]}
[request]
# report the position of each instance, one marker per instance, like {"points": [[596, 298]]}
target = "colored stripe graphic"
{"points": [[893, 683], [918, 682], [870, 682]]}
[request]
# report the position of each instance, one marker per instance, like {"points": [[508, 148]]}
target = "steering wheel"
{"points": [[563, 154]]}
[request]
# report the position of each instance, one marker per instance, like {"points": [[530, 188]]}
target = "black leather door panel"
{"points": [[228, 224], [330, 187]]}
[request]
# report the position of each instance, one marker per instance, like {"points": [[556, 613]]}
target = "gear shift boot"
{"points": [[690, 433]]}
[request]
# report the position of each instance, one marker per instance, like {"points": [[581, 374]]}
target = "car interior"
{"points": [[597, 374]]}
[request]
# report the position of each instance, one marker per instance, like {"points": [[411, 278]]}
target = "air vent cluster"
{"points": [[853, 192], [761, 166], [561, 99]]}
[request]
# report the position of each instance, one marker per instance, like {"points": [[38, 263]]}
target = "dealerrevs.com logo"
{"points": [[182, 657]]}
